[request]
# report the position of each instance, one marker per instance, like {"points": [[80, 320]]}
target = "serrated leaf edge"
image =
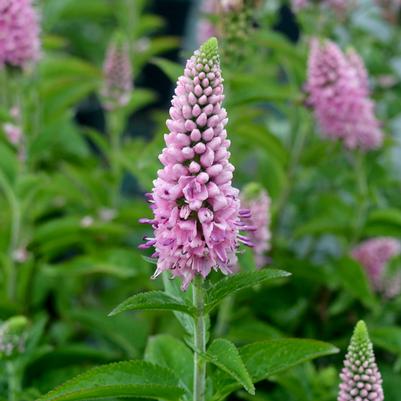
{"points": [[190, 310], [211, 359], [76, 379]]}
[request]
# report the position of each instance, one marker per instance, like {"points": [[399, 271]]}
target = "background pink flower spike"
{"points": [[374, 255], [298, 5], [117, 74], [19, 33], [338, 93], [206, 28], [257, 200], [196, 208]]}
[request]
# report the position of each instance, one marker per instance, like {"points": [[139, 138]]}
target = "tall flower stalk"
{"points": [[20, 49], [117, 73], [199, 385], [115, 94], [197, 216]]}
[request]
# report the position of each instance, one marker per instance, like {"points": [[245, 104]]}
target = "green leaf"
{"points": [[246, 260], [156, 300], [240, 281], [8, 163], [254, 134], [266, 358], [280, 43], [390, 216], [224, 354], [168, 352], [388, 338], [123, 379], [140, 98], [384, 222], [275, 93], [118, 329], [172, 287], [157, 46], [249, 330], [354, 280], [67, 355], [172, 70]]}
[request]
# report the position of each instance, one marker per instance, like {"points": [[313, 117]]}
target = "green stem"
{"points": [[115, 143], [200, 320], [362, 200], [224, 316], [296, 152], [14, 382], [4, 87], [14, 233]]}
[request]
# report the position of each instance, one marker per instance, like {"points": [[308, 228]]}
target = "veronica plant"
{"points": [[196, 224]]}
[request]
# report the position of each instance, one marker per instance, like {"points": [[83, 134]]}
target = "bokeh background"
{"points": [[72, 190]]}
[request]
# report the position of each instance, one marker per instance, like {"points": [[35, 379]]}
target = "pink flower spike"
{"points": [[374, 255], [196, 213], [257, 221], [117, 75], [298, 5], [206, 29], [19, 33], [338, 93]]}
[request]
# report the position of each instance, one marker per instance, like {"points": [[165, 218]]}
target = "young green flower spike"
{"points": [[360, 377], [12, 336]]}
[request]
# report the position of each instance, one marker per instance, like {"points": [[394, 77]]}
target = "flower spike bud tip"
{"points": [[360, 377]]}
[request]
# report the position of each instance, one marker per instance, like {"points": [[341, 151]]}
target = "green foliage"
{"points": [[237, 282], [354, 280], [170, 353], [226, 357], [153, 300], [123, 379], [265, 359], [172, 70], [71, 194]]}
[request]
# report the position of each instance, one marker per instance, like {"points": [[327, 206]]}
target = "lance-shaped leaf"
{"points": [[173, 354], [154, 300], [266, 358], [123, 379], [224, 354], [171, 69], [240, 281], [355, 282]]}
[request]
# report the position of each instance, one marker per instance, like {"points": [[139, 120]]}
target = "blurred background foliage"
{"points": [[70, 204]]}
